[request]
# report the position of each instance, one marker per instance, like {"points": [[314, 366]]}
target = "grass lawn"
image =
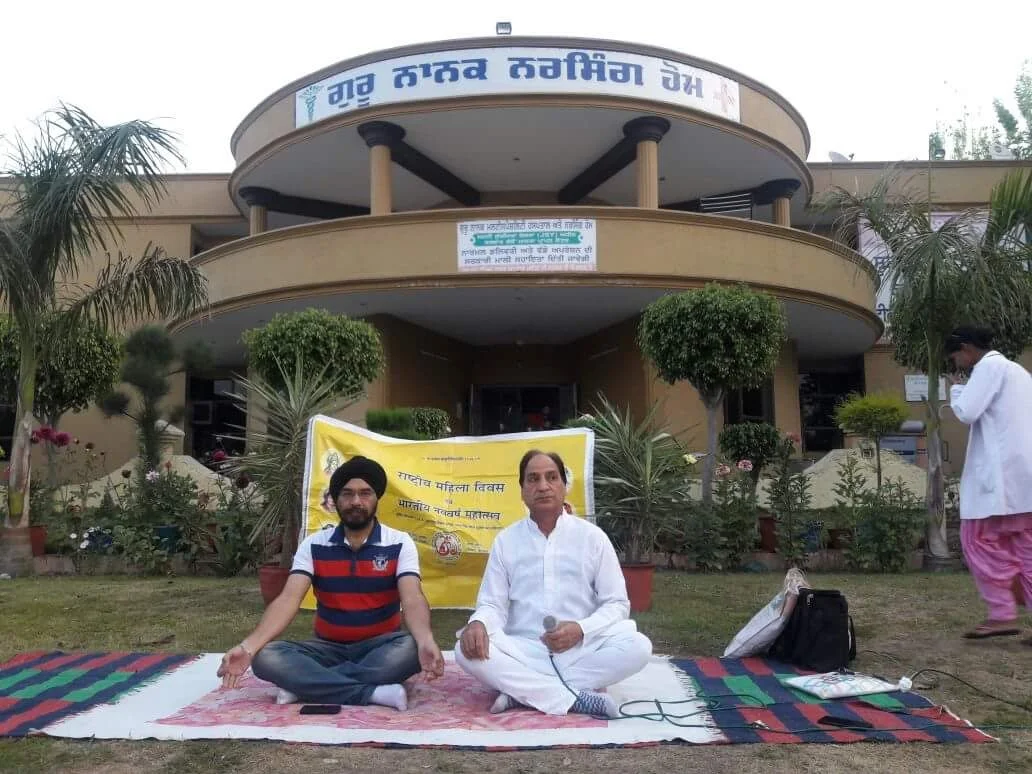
{"points": [[916, 618]]}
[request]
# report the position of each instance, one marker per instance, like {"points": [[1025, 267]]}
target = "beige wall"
{"points": [[759, 112], [116, 436], [424, 370], [954, 183], [650, 247], [195, 198], [608, 363], [681, 408], [513, 364]]}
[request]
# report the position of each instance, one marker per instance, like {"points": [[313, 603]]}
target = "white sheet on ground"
{"points": [[187, 704]]}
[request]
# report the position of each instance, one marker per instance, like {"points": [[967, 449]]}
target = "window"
{"points": [[821, 389], [750, 405], [216, 420]]}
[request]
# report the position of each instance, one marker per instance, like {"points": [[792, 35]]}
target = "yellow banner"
{"points": [[452, 496]]}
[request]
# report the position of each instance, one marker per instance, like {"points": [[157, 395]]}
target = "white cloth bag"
{"points": [[759, 634]]}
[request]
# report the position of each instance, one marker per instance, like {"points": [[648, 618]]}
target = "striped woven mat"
{"points": [[39, 688], [746, 691]]}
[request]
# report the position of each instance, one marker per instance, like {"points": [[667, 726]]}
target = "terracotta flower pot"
{"points": [[38, 536], [271, 580], [638, 578]]}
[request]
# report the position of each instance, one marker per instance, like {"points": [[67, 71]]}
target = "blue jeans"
{"points": [[323, 671]]}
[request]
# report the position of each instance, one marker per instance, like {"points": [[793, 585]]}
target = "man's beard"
{"points": [[356, 517]]}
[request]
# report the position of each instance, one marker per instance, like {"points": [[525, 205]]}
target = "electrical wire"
{"points": [[1026, 706], [712, 703]]}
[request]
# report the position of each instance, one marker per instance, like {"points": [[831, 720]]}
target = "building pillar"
{"points": [[646, 132], [258, 218], [787, 415], [778, 194], [380, 136]]}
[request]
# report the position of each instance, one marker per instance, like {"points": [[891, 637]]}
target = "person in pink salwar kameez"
{"points": [[996, 483]]}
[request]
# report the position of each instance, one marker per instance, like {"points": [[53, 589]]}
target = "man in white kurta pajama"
{"points": [[557, 566], [996, 483]]}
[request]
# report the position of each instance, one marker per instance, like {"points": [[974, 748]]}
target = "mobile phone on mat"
{"points": [[320, 709], [832, 720]]}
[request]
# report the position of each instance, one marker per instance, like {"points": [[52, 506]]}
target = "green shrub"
{"points": [[411, 424], [317, 341], [754, 441], [431, 422], [390, 420], [734, 503], [889, 523], [641, 482], [704, 538], [790, 500]]}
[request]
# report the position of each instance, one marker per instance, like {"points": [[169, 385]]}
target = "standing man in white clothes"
{"points": [[996, 483], [558, 572]]}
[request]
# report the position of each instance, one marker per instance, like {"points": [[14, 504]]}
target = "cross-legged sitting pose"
{"points": [[559, 572], [366, 578]]}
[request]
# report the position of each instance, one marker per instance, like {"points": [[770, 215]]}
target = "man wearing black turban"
{"points": [[354, 514], [365, 576]]}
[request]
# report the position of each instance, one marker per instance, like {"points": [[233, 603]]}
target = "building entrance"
{"points": [[822, 386], [519, 408]]}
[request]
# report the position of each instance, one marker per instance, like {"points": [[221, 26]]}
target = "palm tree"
{"points": [[58, 204], [943, 277]]}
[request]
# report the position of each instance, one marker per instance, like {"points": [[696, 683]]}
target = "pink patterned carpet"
{"points": [[455, 701]]}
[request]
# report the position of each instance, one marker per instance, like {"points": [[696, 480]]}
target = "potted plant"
{"points": [[276, 458], [641, 491], [292, 358]]}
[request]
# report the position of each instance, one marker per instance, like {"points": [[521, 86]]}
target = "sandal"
{"points": [[991, 629]]}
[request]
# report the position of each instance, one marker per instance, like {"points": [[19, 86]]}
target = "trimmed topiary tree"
{"points": [[873, 417], [315, 339], [75, 368], [151, 358], [717, 339]]}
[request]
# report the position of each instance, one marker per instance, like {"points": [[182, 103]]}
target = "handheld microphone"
{"points": [[550, 623]]}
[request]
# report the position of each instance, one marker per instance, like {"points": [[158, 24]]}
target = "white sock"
{"points": [[390, 696], [285, 697], [502, 703]]}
